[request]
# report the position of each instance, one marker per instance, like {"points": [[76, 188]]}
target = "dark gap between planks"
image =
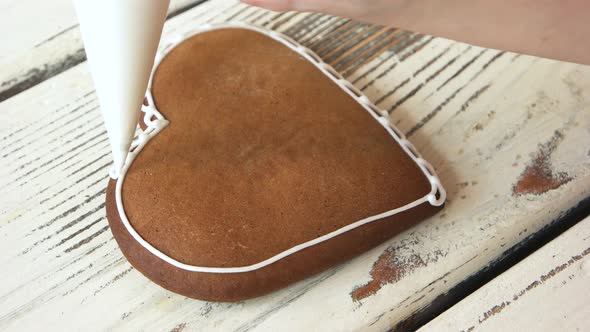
{"points": [[508, 259], [39, 75]]}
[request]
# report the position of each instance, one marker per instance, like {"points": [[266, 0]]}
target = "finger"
{"points": [[299, 5], [274, 5], [334, 7]]}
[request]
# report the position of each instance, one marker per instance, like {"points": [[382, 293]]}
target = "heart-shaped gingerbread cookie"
{"points": [[272, 168]]}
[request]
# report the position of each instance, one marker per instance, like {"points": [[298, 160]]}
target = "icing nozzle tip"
{"points": [[119, 157], [113, 173]]}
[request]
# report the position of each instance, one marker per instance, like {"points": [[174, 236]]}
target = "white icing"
{"points": [[155, 122]]}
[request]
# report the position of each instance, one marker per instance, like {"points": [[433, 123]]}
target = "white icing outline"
{"points": [[155, 122]]}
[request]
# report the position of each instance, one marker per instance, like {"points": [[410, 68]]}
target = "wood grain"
{"points": [[548, 291], [42, 39], [482, 117]]}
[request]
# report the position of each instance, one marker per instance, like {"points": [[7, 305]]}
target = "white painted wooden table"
{"points": [[491, 122], [548, 291]]}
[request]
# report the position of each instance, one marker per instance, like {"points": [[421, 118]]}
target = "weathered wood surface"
{"points": [[507, 134], [41, 39], [548, 291]]}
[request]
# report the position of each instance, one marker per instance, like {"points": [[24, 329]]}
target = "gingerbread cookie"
{"points": [[259, 166]]}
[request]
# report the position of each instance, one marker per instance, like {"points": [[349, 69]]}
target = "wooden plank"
{"points": [[44, 41], [503, 130], [38, 22], [548, 291]]}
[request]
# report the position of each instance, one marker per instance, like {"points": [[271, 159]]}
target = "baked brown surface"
{"points": [[263, 152]]}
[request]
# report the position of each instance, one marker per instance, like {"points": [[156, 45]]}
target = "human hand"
{"points": [[551, 28]]}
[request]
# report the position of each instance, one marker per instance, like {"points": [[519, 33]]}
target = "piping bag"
{"points": [[121, 39]]}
